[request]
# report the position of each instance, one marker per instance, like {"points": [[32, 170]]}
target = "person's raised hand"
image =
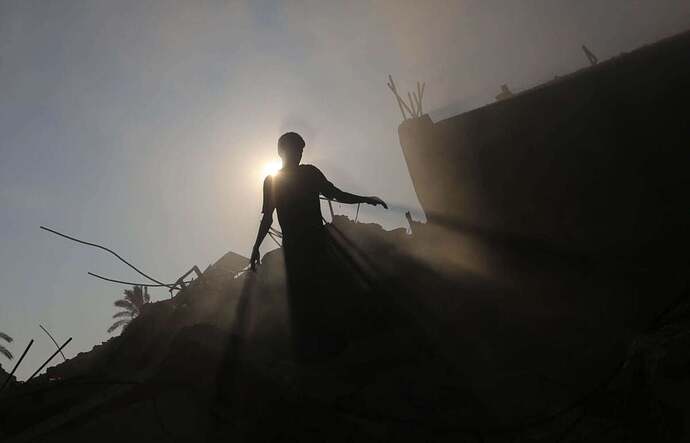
{"points": [[254, 260], [377, 201]]}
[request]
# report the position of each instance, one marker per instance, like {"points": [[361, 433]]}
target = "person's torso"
{"points": [[296, 196]]}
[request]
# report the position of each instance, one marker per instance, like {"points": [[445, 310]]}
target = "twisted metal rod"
{"points": [[414, 98], [48, 361], [108, 250], [391, 86], [9, 376]]}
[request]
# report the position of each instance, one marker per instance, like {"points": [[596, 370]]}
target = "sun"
{"points": [[271, 168]]}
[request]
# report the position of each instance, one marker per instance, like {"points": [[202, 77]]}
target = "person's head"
{"points": [[290, 147]]}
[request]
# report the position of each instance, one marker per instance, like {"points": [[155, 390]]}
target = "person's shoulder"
{"points": [[311, 169], [268, 180]]}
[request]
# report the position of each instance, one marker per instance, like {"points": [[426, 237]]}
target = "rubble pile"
{"points": [[4, 375], [458, 359]]}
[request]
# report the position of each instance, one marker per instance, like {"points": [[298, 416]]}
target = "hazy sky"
{"points": [[144, 125]]}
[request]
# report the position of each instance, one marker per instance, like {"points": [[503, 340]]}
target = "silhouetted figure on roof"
{"points": [[317, 280]]}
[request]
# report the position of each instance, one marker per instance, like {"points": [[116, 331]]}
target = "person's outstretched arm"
{"points": [[345, 197], [266, 222], [330, 191]]}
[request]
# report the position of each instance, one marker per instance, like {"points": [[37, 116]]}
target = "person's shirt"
{"points": [[294, 194]]}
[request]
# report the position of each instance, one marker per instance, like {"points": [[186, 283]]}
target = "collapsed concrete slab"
{"points": [[594, 163]]}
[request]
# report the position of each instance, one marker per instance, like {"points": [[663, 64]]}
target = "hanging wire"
{"points": [[145, 285], [110, 251], [273, 237]]}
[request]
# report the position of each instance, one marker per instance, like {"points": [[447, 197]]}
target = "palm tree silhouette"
{"points": [[3, 350], [132, 303]]}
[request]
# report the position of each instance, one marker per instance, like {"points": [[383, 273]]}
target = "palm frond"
{"points": [[121, 314], [117, 324], [135, 296], [132, 302], [5, 337], [5, 352], [125, 304]]}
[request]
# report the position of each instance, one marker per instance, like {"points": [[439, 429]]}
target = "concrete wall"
{"points": [[596, 163]]}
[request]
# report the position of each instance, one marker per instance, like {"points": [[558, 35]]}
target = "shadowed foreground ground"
{"points": [[465, 339]]}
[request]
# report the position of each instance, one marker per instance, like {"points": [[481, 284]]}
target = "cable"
{"points": [[148, 285], [108, 250], [272, 235]]}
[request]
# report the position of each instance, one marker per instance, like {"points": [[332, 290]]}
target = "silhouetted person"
{"points": [[294, 193], [315, 276]]}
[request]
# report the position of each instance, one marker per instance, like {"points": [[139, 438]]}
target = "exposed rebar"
{"points": [[414, 108], [11, 374], [48, 361], [391, 86]]}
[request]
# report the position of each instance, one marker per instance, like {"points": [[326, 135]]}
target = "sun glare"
{"points": [[271, 168]]}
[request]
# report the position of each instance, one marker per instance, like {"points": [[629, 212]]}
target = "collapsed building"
{"points": [[544, 299]]}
